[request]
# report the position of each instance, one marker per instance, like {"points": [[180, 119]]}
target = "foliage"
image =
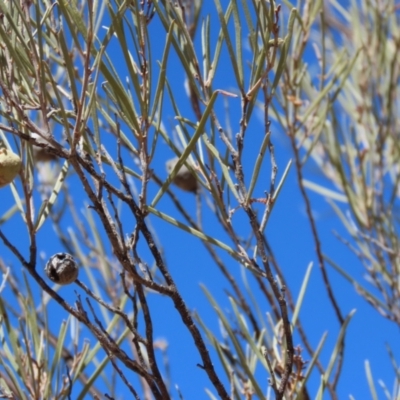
{"points": [[87, 93]]}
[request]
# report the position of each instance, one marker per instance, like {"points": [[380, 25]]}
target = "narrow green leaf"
{"points": [[334, 355], [187, 150], [163, 70], [8, 214], [55, 363], [233, 337], [238, 40], [224, 167], [370, 380], [194, 232], [257, 166], [285, 51], [205, 46], [227, 37], [255, 347], [100, 367], [46, 207], [302, 293], [74, 19], [218, 48], [325, 192], [68, 64], [311, 364]]}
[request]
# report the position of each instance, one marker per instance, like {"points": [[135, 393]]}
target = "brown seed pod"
{"points": [[10, 165], [184, 179], [41, 155], [62, 269]]}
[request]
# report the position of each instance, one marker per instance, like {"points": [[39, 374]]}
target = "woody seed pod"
{"points": [[62, 269], [10, 165], [184, 179]]}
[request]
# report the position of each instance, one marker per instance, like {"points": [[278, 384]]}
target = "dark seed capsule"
{"points": [[62, 269]]}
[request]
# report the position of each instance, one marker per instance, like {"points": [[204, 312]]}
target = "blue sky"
{"points": [[288, 232]]}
